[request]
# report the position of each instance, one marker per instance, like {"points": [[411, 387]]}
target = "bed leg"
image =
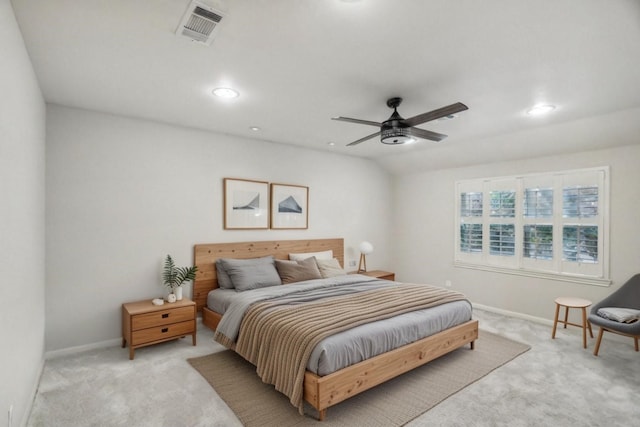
{"points": [[473, 344], [321, 414]]}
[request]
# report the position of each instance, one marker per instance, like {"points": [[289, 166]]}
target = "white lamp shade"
{"points": [[365, 248]]}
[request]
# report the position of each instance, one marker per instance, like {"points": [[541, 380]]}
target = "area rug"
{"points": [[393, 403]]}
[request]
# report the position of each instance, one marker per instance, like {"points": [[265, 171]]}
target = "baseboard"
{"points": [[32, 397], [93, 346], [515, 314], [81, 348], [547, 322]]}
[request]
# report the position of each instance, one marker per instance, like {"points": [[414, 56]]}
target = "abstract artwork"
{"points": [[289, 206], [246, 204]]}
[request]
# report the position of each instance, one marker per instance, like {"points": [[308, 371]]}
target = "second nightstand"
{"points": [[378, 274]]}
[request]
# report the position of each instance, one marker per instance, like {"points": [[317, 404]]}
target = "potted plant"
{"points": [[173, 277]]}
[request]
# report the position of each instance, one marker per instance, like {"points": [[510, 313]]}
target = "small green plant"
{"points": [[173, 276]]}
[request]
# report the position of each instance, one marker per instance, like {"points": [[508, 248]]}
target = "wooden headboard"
{"points": [[205, 255]]}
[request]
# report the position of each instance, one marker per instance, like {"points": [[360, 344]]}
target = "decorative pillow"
{"points": [[330, 267], [224, 282], [619, 314], [297, 271], [319, 255], [253, 273]]}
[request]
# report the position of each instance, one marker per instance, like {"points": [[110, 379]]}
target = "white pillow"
{"points": [[319, 255], [330, 267]]}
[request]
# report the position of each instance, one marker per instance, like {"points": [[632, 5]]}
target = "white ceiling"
{"points": [[298, 63]]}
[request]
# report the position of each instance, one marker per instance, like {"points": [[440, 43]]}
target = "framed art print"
{"points": [[289, 206], [246, 204]]}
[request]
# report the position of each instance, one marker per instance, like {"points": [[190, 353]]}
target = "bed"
{"points": [[324, 389]]}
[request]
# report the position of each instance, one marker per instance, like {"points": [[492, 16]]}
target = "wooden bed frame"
{"points": [[325, 391]]}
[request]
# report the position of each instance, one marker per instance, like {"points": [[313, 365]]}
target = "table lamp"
{"points": [[365, 249]]}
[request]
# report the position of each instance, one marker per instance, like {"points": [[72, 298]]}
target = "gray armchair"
{"points": [[628, 296]]}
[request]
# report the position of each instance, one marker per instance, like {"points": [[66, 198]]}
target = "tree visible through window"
{"points": [[538, 241], [503, 204], [502, 240], [470, 229], [580, 243], [538, 203], [471, 237], [471, 204]]}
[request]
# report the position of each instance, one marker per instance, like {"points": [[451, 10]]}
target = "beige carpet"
{"points": [[393, 403]]}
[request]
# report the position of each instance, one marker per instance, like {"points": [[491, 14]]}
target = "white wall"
{"points": [[22, 151], [425, 225], [122, 193]]}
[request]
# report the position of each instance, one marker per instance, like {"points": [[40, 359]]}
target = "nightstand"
{"points": [[378, 274], [144, 323]]}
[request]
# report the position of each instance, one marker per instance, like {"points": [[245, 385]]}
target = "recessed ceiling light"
{"points": [[539, 110], [331, 144], [254, 128], [225, 92]]}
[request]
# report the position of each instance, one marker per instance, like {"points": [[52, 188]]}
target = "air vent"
{"points": [[200, 23]]}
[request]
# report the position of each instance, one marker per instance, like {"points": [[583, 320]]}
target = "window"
{"points": [[471, 237], [502, 239], [503, 204], [545, 225], [471, 204], [538, 241], [538, 203], [580, 243], [580, 202], [470, 222]]}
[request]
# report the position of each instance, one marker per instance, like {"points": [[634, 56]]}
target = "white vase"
{"points": [[171, 297], [178, 292]]}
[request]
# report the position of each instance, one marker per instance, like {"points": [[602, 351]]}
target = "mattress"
{"points": [[363, 342]]}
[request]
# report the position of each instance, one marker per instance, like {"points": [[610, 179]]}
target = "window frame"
{"points": [[557, 268]]}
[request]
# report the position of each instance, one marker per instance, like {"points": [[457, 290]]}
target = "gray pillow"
{"points": [[253, 273], [297, 271], [224, 282], [330, 267]]}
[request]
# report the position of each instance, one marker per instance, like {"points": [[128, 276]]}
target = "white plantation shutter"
{"points": [[545, 225], [584, 228], [469, 233]]}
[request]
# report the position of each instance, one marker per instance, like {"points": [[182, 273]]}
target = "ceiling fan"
{"points": [[396, 130]]}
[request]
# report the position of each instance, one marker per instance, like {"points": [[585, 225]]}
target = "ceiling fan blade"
{"points": [[427, 134], [363, 139], [362, 122], [436, 114]]}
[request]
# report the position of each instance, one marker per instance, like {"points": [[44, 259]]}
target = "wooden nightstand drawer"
{"points": [[144, 323], [158, 318], [162, 332]]}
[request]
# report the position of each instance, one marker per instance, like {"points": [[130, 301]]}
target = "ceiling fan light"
{"points": [[396, 136]]}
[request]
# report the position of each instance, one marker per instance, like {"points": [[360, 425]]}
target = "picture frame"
{"points": [[289, 206], [246, 204]]}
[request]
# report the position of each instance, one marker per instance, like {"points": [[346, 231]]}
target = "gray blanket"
{"points": [[309, 290], [357, 344]]}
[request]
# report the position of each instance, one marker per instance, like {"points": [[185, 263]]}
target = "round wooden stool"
{"points": [[572, 302]]}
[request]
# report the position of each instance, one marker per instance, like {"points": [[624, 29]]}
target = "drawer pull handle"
{"points": [[164, 316], [165, 330]]}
